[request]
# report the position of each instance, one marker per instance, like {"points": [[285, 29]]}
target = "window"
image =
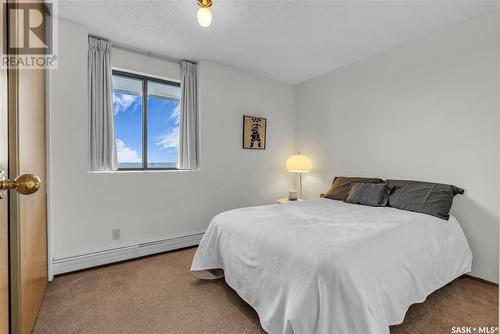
{"points": [[146, 112]]}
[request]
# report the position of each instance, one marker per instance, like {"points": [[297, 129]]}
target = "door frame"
{"points": [[21, 320], [4, 213], [14, 229]]}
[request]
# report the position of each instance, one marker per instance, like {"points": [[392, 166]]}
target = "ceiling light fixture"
{"points": [[204, 15]]}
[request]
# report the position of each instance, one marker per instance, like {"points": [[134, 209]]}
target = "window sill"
{"points": [[145, 171]]}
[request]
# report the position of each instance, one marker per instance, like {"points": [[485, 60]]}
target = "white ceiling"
{"points": [[292, 41]]}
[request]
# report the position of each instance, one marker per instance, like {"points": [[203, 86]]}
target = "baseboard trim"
{"points": [[84, 261]]}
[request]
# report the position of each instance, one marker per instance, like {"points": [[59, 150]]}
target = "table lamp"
{"points": [[299, 163]]}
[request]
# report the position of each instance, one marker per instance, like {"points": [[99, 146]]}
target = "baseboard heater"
{"points": [[78, 262]]}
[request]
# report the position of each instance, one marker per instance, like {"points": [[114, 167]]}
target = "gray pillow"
{"points": [[434, 199], [341, 186], [373, 194]]}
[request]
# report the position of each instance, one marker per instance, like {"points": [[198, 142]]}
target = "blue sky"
{"points": [[163, 128]]}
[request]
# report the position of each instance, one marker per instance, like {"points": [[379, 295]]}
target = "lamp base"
{"points": [[300, 186]]}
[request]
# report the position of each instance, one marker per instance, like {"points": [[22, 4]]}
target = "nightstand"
{"points": [[286, 200]]}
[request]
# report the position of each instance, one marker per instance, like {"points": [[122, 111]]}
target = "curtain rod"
{"points": [[139, 51]]}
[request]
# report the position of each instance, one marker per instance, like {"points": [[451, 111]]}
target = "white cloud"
{"points": [[176, 114], [125, 153], [122, 101], [169, 140]]}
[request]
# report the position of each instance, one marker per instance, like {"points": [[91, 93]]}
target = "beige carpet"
{"points": [[157, 294]]}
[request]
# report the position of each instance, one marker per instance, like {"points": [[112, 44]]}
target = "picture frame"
{"points": [[254, 132]]}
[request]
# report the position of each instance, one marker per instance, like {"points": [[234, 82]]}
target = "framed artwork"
{"points": [[254, 132]]}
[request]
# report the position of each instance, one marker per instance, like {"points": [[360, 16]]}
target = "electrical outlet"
{"points": [[116, 234]]}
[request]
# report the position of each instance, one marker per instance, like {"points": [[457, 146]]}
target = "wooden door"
{"points": [[27, 213]]}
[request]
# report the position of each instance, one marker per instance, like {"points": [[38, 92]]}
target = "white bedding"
{"points": [[324, 266]]}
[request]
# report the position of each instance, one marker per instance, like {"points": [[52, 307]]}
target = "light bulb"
{"points": [[204, 16]]}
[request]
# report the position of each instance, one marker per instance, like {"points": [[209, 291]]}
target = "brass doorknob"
{"points": [[25, 184]]}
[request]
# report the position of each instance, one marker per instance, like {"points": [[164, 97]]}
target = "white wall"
{"points": [[427, 110], [139, 63], [148, 206]]}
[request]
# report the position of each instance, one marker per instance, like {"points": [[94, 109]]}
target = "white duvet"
{"points": [[324, 266]]}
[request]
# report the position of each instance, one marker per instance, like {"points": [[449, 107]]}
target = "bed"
{"points": [[326, 266]]}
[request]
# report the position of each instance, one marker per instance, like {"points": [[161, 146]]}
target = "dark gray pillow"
{"points": [[373, 194], [434, 199], [341, 186]]}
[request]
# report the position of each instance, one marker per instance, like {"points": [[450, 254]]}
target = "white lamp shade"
{"points": [[204, 17], [299, 163]]}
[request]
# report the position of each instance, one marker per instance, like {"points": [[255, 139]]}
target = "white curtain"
{"points": [[103, 155], [188, 125]]}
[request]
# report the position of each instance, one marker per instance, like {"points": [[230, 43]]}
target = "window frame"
{"points": [[145, 79]]}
